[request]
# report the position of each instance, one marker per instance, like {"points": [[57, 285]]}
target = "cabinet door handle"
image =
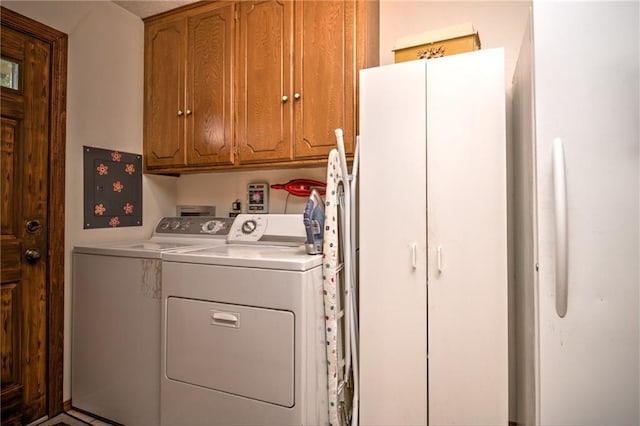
{"points": [[189, 112], [560, 204], [296, 96], [414, 256], [180, 113], [285, 98]]}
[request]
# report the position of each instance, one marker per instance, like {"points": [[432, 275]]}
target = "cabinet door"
{"points": [[467, 240], [164, 94], [264, 79], [393, 258], [324, 76], [209, 107]]}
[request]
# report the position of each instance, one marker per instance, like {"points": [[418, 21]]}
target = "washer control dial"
{"points": [[248, 226], [212, 226]]}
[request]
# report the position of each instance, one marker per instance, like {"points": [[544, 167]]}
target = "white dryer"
{"points": [[115, 356], [243, 339]]}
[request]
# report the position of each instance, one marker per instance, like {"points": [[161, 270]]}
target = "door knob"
{"points": [[296, 96], [32, 255], [180, 113], [285, 98], [33, 226]]}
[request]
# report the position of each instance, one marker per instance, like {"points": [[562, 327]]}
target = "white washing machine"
{"points": [[243, 340], [115, 359]]}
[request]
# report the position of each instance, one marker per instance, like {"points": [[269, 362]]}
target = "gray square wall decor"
{"points": [[112, 188]]}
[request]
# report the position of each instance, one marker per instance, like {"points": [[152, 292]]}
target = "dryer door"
{"points": [[241, 350]]}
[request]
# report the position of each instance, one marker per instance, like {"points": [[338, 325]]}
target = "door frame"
{"points": [[58, 42]]}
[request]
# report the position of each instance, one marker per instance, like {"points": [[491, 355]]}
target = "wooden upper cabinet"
{"points": [[164, 93], [291, 101], [324, 78], [264, 82], [254, 83], [209, 113], [189, 88]]}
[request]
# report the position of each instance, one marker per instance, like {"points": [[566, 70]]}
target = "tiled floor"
{"points": [[74, 418], [87, 418]]}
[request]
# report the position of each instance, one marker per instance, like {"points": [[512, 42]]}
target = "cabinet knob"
{"points": [[180, 113], [296, 96], [189, 112], [285, 98]]}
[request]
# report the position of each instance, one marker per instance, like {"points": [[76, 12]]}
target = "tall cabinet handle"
{"points": [[414, 255], [562, 249]]}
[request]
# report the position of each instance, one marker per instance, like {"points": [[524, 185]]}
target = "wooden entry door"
{"points": [[31, 239]]}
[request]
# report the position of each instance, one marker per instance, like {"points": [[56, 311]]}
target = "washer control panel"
{"points": [[194, 225], [271, 229]]}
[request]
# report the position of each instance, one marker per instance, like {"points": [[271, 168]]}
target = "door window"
{"points": [[9, 72]]}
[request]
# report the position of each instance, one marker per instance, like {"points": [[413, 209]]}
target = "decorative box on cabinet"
{"points": [[434, 44], [188, 102]]}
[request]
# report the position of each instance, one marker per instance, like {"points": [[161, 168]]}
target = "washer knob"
{"points": [[212, 226], [249, 226]]}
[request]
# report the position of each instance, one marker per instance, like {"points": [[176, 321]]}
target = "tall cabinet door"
{"points": [[209, 109], [393, 267], [467, 239], [589, 359], [324, 80], [164, 103], [264, 81]]}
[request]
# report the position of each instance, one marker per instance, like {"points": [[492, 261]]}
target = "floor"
{"points": [[74, 418]]}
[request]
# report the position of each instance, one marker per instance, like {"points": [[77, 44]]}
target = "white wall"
{"points": [[221, 189], [104, 110], [499, 23]]}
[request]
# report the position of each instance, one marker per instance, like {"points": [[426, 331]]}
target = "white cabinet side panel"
{"points": [[525, 237], [466, 189], [116, 337], [589, 360], [392, 292]]}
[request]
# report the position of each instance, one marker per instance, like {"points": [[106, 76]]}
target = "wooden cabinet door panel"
{"points": [[324, 76], [209, 114], [164, 94], [264, 118]]}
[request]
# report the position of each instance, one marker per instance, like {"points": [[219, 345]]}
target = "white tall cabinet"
{"points": [[433, 273]]}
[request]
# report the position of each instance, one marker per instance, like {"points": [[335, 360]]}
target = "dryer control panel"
{"points": [[269, 229]]}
